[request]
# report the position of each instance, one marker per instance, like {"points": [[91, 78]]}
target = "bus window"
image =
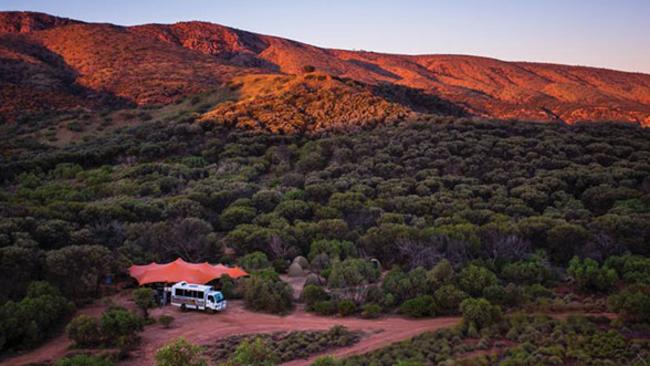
{"points": [[199, 294], [211, 298]]}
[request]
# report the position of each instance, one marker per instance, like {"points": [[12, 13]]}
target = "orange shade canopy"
{"points": [[179, 270]]}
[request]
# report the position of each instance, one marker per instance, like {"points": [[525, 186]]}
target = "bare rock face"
{"points": [[295, 270]]}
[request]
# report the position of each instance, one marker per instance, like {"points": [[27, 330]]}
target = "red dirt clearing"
{"points": [[204, 328]]}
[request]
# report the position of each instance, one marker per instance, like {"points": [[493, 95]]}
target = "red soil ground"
{"points": [[206, 328]]}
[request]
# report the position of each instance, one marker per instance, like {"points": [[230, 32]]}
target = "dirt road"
{"points": [[205, 329]]}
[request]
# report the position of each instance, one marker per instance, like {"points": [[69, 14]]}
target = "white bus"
{"points": [[190, 296]]}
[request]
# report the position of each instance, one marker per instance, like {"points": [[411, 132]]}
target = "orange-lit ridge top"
{"points": [[179, 270]]}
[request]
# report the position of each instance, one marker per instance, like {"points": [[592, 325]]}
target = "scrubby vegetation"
{"points": [[117, 327], [180, 353], [516, 340], [282, 346], [264, 291], [492, 215], [25, 323]]}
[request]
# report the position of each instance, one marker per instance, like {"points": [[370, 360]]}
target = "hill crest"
{"points": [[160, 63]]}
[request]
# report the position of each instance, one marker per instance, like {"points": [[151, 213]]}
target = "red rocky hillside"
{"points": [[49, 63]]}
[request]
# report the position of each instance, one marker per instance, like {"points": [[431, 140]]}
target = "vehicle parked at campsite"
{"points": [[201, 297]]}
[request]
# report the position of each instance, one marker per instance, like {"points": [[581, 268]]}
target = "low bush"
{"points": [[120, 327], [253, 353], [473, 279], [325, 307], [371, 311], [537, 291], [633, 302], [83, 360], [478, 314], [312, 294], [144, 299], [84, 331], [591, 277], [346, 307], [448, 299], [418, 307], [287, 346], [180, 353]]}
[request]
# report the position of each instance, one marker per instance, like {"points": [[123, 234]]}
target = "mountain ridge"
{"points": [[159, 63]]}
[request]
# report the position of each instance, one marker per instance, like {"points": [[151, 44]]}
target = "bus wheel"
{"points": [[183, 308]]}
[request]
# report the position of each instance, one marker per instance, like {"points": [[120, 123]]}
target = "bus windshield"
{"points": [[218, 297]]}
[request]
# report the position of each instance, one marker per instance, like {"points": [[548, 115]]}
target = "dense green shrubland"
{"points": [[453, 208]]}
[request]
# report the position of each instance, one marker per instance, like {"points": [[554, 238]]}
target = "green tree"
{"points": [[18, 266], [352, 277], [565, 239], [591, 277], [406, 285], [381, 241], [144, 299], [84, 331], [293, 210], [479, 313], [312, 294], [264, 291], [418, 307], [442, 273], [235, 215], [78, 269], [25, 323], [119, 326], [473, 279], [255, 261], [526, 272], [335, 249], [448, 299]]}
